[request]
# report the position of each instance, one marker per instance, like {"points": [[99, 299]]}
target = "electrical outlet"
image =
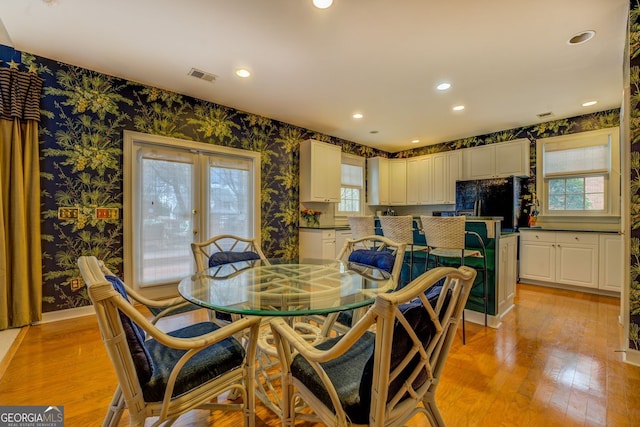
{"points": [[107, 213], [75, 283], [68, 214]]}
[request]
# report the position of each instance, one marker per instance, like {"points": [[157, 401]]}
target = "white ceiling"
{"points": [[508, 60]]}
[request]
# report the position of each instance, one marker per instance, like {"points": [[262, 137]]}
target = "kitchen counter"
{"points": [[324, 227]]}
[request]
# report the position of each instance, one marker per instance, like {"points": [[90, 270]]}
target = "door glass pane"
{"points": [[166, 209], [230, 197]]}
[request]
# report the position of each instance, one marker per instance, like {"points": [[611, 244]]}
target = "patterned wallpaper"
{"points": [[84, 114], [633, 117]]}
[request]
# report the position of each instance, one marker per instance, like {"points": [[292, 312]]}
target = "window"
{"points": [[178, 192], [352, 186], [578, 174]]}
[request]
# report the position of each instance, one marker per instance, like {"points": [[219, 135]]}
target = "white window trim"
{"points": [[130, 138], [352, 159], [612, 181]]}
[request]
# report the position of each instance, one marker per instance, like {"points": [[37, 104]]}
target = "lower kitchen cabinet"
{"points": [[322, 243], [507, 271], [567, 258]]}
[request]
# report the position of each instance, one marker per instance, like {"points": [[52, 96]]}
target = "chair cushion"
{"points": [[227, 257], [210, 363], [383, 260], [352, 373], [135, 336]]}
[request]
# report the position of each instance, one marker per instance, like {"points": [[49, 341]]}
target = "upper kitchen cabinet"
{"points": [[320, 171], [419, 180], [496, 160], [386, 181], [446, 171]]}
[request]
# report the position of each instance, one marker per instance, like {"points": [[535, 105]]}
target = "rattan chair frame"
{"points": [[223, 242], [382, 317], [400, 229], [108, 303]]}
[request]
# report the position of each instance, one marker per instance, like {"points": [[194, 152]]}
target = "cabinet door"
{"points": [[479, 162], [415, 179], [507, 272], [512, 158], [341, 238], [537, 256], [611, 264], [398, 182], [454, 173], [377, 181], [577, 259], [320, 172], [577, 265], [440, 178]]}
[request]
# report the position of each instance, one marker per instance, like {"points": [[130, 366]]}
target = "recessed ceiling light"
{"points": [[443, 86], [589, 103], [322, 4], [357, 116], [415, 141], [243, 72], [581, 37], [458, 108]]}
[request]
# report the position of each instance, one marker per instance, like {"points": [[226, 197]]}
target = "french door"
{"points": [[182, 192]]}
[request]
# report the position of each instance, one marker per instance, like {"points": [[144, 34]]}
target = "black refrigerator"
{"points": [[492, 197]]}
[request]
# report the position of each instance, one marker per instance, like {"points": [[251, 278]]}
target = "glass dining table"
{"points": [[300, 290]]}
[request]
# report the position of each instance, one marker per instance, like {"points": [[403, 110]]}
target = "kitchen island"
{"points": [[501, 251]]}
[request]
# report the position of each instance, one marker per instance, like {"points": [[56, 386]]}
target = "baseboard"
{"points": [[477, 317], [632, 357], [71, 313], [11, 339]]}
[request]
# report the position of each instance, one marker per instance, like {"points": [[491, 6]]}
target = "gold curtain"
{"points": [[20, 248]]}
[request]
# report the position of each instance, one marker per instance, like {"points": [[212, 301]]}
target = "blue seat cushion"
{"points": [[383, 260], [135, 337], [210, 363], [227, 257], [352, 373]]}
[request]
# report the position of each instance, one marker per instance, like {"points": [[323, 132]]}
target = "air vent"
{"points": [[202, 75], [545, 115]]}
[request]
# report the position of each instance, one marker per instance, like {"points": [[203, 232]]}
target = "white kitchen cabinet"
{"points": [[317, 243], [386, 181], [398, 182], [446, 171], [611, 262], [378, 181], [419, 182], [563, 257], [496, 160], [507, 272], [341, 238], [320, 171]]}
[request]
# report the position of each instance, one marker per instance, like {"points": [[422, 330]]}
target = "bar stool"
{"points": [[361, 226], [400, 229], [446, 238]]}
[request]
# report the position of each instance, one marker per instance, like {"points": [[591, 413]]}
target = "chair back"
{"points": [[361, 226], [397, 228], [387, 376], [447, 232], [225, 249], [376, 251], [165, 374]]}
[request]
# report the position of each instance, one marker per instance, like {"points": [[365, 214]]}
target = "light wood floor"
{"points": [[553, 362]]}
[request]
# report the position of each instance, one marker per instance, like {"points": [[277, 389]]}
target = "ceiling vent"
{"points": [[545, 115], [202, 75]]}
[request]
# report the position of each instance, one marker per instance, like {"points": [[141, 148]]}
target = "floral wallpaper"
{"points": [[633, 116], [84, 114]]}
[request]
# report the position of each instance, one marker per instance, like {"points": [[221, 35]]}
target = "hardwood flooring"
{"points": [[555, 361]]}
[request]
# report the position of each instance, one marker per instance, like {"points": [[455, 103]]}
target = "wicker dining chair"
{"points": [[400, 229], [386, 368], [166, 375], [361, 226], [446, 240]]}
